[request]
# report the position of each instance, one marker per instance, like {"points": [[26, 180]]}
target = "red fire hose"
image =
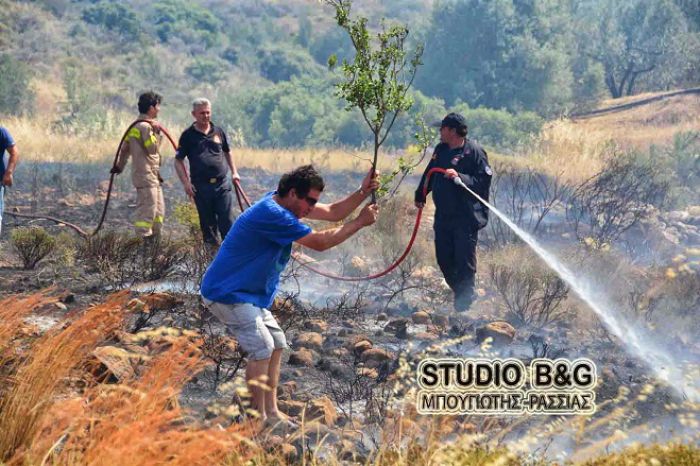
{"points": [[77, 229], [240, 194]]}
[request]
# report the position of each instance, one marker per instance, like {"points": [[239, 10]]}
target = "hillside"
{"points": [[76, 64], [649, 118]]}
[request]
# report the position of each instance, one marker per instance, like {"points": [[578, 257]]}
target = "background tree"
{"points": [[636, 39], [381, 73], [500, 54], [16, 96]]}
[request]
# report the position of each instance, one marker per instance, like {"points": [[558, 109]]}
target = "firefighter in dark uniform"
{"points": [[458, 214]]}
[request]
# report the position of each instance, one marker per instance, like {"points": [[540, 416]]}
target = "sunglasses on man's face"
{"points": [[310, 200]]}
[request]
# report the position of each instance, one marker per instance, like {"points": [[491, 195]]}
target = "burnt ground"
{"points": [[325, 321]]}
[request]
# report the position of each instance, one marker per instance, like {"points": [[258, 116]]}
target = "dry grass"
{"points": [[50, 361], [136, 423], [13, 310], [572, 150], [575, 150], [670, 454], [38, 141], [652, 123]]}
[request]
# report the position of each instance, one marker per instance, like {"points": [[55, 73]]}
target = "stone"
{"points": [[367, 372], [310, 340], [323, 410], [292, 408], [118, 362], [502, 333], [302, 357], [677, 216], [286, 390], [161, 301], [420, 317], [317, 326], [440, 320], [283, 310], [428, 336], [399, 327], [375, 357], [340, 353], [361, 346]]}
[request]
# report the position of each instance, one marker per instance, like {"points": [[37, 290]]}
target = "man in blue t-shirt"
{"points": [[241, 282], [8, 161]]}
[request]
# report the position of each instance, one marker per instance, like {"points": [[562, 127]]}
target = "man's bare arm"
{"points": [[7, 179], [326, 239], [181, 170], [339, 210], [232, 165]]}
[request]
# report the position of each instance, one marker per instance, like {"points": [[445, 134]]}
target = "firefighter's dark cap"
{"points": [[452, 120]]}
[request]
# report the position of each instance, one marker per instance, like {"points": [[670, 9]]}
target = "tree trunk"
{"points": [[610, 83], [374, 161]]}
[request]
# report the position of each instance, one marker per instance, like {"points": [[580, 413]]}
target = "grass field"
{"points": [[572, 150]]}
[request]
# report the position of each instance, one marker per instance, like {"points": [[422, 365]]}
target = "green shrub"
{"points": [[207, 69], [281, 63], [500, 128], [683, 156], [32, 244], [16, 96], [188, 21], [122, 259], [113, 17], [185, 213]]}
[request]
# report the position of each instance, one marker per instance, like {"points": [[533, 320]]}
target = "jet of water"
{"points": [[662, 364]]}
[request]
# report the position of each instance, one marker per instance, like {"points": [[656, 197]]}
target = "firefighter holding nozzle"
{"points": [[458, 214]]}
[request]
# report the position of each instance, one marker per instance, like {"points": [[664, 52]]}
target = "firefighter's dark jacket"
{"points": [[451, 201]]}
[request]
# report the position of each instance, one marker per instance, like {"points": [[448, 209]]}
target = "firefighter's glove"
{"points": [[115, 170]]}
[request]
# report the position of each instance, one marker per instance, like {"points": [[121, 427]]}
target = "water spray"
{"points": [[657, 359]]}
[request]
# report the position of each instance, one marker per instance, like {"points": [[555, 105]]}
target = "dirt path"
{"points": [[637, 103]]}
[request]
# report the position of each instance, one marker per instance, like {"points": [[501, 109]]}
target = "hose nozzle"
{"points": [[458, 181]]}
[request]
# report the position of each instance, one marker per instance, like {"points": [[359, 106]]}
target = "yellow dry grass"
{"points": [[37, 380], [651, 123], [575, 150], [138, 422], [572, 150]]}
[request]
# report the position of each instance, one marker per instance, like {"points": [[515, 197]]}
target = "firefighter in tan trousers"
{"points": [[143, 143]]}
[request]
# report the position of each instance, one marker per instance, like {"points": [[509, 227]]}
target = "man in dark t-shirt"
{"points": [[206, 147]]}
